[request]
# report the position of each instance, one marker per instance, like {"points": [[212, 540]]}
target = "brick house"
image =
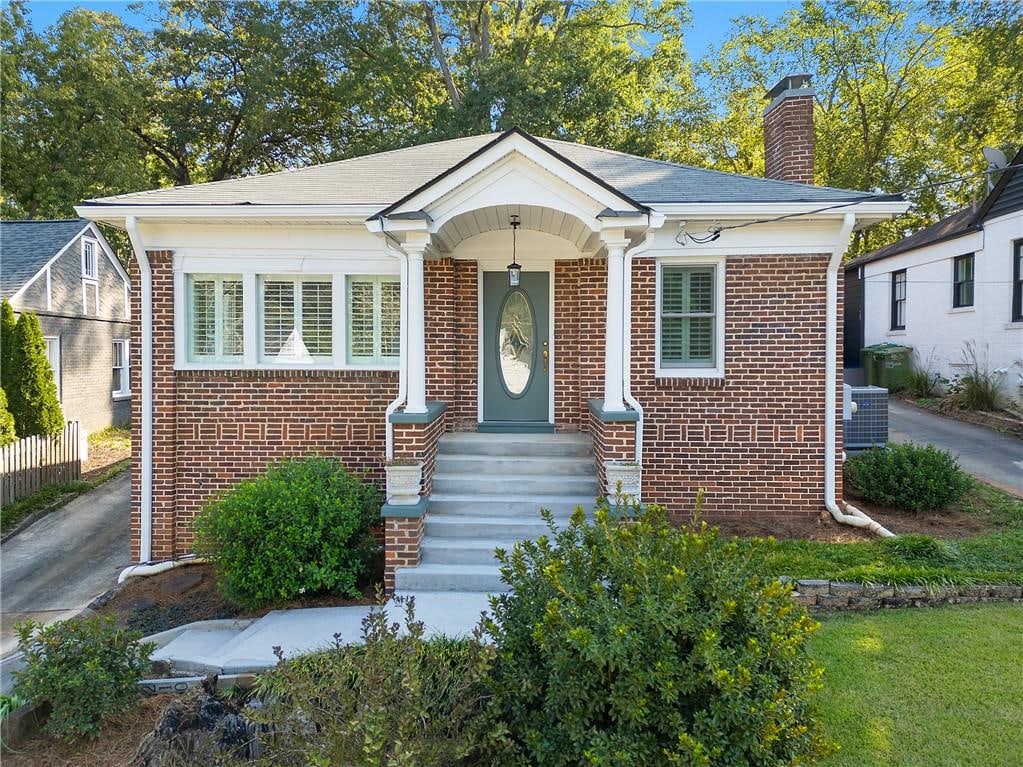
{"points": [[67, 274], [366, 309]]}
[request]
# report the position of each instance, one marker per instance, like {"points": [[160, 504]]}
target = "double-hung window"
{"points": [[1017, 281], [689, 316], [962, 281], [120, 385], [215, 318], [374, 320], [90, 267], [899, 300], [296, 319]]}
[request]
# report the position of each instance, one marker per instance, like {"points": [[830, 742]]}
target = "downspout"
{"points": [[146, 451], [402, 346], [630, 400], [851, 516]]}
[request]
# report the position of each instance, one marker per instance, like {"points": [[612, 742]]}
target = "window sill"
{"points": [[119, 396], [896, 333], [1014, 325], [962, 310], [689, 373], [214, 366]]}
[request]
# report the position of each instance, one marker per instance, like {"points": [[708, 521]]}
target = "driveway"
{"points": [[984, 453], [55, 567]]}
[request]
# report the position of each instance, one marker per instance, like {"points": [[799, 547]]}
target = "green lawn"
{"points": [[928, 687], [995, 557]]}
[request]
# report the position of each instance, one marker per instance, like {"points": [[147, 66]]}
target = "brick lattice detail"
{"points": [[789, 140]]}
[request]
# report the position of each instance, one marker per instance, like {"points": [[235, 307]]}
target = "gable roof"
{"points": [[27, 246], [1004, 197], [383, 178]]}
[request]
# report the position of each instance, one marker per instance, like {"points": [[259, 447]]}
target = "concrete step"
{"points": [[462, 551], [489, 528], [518, 504], [521, 465], [502, 484], [527, 445], [440, 577]]}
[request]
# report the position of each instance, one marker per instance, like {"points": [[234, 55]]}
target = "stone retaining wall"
{"points": [[840, 595]]}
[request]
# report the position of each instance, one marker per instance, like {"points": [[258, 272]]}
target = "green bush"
{"points": [[32, 391], [910, 477], [397, 699], [7, 326], [301, 528], [86, 670], [629, 641], [7, 435]]}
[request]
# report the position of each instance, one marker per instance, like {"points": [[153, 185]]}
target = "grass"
{"points": [[111, 438], [936, 687], [995, 557], [53, 496]]}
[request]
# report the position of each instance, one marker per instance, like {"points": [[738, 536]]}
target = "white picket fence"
{"points": [[34, 462]]}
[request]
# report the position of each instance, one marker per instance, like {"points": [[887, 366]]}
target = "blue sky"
{"points": [[711, 18]]}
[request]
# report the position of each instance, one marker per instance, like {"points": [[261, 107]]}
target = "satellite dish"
{"points": [[995, 158]]}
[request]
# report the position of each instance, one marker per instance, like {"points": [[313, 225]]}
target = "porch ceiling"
{"points": [[534, 217]]}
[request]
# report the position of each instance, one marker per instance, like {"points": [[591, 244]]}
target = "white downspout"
{"points": [[851, 515], [630, 400], [146, 452], [402, 347]]}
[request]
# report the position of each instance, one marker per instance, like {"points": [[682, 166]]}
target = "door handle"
{"points": [[546, 356]]}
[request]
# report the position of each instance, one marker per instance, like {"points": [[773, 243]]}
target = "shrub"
{"points": [[301, 528], [86, 670], [910, 477], [979, 388], [922, 381], [630, 641], [32, 392], [7, 357], [396, 699], [7, 435]]}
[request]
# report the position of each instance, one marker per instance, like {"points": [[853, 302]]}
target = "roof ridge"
{"points": [[710, 170], [286, 171]]}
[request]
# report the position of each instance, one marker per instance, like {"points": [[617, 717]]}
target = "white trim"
{"points": [[60, 364], [116, 214], [962, 309], [718, 370], [20, 291], [146, 448], [86, 285], [125, 391], [85, 241], [49, 291]]}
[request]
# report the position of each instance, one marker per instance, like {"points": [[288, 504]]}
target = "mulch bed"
{"points": [[114, 748], [103, 458], [173, 598]]}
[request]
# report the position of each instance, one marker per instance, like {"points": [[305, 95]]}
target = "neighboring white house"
{"points": [[957, 282]]}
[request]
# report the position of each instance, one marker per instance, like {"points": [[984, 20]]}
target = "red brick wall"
{"points": [[403, 536], [754, 441], [789, 140]]}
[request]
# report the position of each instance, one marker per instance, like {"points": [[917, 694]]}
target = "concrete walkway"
{"points": [[231, 647], [983, 452], [56, 566]]}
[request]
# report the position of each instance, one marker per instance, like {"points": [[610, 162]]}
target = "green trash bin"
{"points": [[887, 365]]}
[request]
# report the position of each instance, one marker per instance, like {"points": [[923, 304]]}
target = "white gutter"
{"points": [[630, 400], [402, 347], [140, 570], [146, 469], [851, 515]]}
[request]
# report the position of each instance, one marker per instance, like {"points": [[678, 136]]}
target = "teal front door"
{"points": [[516, 349]]}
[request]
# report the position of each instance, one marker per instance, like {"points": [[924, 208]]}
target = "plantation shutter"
{"points": [[317, 317], [278, 318], [687, 316], [204, 318], [374, 315], [215, 319]]}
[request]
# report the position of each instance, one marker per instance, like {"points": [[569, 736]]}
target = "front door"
{"points": [[516, 348]]}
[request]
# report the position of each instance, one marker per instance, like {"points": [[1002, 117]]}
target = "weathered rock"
{"points": [[813, 587], [973, 591], [833, 601], [844, 589], [1006, 591], [912, 591], [804, 599], [879, 590], [864, 603]]}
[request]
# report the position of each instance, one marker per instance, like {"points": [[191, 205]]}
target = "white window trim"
{"points": [[60, 364], [377, 280], [124, 393], [87, 286], [220, 266], [218, 318], [295, 280], [718, 370], [95, 258]]}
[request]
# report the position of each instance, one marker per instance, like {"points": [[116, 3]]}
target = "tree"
{"points": [[33, 395], [7, 433], [7, 324], [906, 96]]}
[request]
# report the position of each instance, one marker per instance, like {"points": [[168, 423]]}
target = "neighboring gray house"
{"points": [[67, 274]]}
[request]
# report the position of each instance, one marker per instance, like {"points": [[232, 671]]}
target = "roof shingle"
{"points": [[26, 246]]}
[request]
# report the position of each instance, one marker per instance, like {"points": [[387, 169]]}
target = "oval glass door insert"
{"points": [[516, 342]]}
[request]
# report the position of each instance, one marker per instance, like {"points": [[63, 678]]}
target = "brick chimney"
{"points": [[788, 130]]}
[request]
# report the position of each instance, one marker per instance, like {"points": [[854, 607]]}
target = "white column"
{"points": [[613, 343], [416, 403]]}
